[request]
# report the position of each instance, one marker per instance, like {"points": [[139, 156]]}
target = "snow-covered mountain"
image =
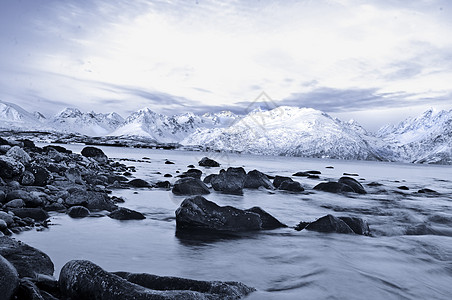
{"points": [[91, 123], [424, 139], [13, 116]]}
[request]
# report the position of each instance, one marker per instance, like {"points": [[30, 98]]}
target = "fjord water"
{"points": [[409, 255]]}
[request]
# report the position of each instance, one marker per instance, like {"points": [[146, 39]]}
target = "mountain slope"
{"points": [[13, 116]]}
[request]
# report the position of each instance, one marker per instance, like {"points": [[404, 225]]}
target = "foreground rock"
{"points": [[190, 186], [332, 224], [198, 213], [9, 279], [122, 213], [231, 181], [207, 162], [78, 212], [255, 179], [95, 153], [81, 279], [90, 199]]}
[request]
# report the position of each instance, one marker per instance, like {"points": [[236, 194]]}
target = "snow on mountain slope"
{"points": [[424, 139], [289, 131], [91, 123], [13, 116]]}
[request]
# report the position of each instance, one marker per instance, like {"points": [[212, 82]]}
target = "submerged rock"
{"points": [[122, 213], [255, 179], [230, 181], [190, 186], [207, 162], [280, 179]]}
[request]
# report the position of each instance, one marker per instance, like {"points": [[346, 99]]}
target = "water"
{"points": [[282, 263]]}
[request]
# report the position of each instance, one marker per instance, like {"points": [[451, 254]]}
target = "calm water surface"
{"points": [[282, 263]]}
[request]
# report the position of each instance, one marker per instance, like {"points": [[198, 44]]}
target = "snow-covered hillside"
{"points": [[13, 116]]}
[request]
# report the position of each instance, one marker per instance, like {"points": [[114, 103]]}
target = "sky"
{"points": [[376, 61]]}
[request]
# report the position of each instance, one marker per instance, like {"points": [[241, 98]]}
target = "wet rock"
{"points": [[3, 225], [90, 199], [41, 174], [55, 207], [328, 224], [78, 212], [313, 177], [140, 183], [403, 187], [333, 187], [301, 174], [29, 199], [9, 279], [302, 225], [95, 153], [28, 290], [354, 184], [57, 148], [427, 191], [19, 155], [207, 162], [358, 225], [374, 184], [350, 174], [163, 184], [2, 197], [167, 175], [168, 162], [37, 214], [7, 218], [200, 213], [268, 221], [208, 178], [329, 167], [255, 179], [9, 167], [122, 213], [190, 186], [195, 173], [279, 179], [27, 178], [191, 166], [81, 279], [291, 186], [4, 148], [230, 181], [27, 260], [16, 203]]}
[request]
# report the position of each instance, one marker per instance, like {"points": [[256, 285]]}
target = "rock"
{"points": [[138, 183], [358, 225], [3, 225], [7, 218], [27, 260], [37, 214], [329, 223], [208, 178], [59, 207], [333, 187], [73, 175], [374, 184], [27, 178], [230, 181], [16, 203], [291, 186], [2, 197], [195, 173], [302, 225], [354, 184], [255, 179], [313, 176], [167, 175], [168, 162], [47, 283], [29, 199], [207, 162], [403, 187], [427, 191], [28, 290], [122, 213], [78, 212], [42, 175], [56, 148], [268, 221], [90, 199], [350, 174], [199, 213], [163, 184], [329, 167], [82, 279], [96, 153], [19, 155], [9, 167], [9, 279], [307, 173], [191, 166], [279, 179], [4, 148], [190, 186]]}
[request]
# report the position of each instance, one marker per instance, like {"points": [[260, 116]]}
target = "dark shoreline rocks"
{"points": [[332, 224]]}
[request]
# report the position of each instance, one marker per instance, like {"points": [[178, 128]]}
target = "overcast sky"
{"points": [[375, 61]]}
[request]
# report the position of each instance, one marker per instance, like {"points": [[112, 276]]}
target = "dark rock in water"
{"points": [[255, 179], [9, 279], [421, 229], [27, 178], [37, 214], [207, 162], [302, 225], [96, 153], [191, 166], [314, 177], [350, 174], [314, 172], [57, 148], [190, 186], [427, 191], [167, 175], [208, 178], [82, 279], [195, 173], [329, 167], [122, 213], [354, 184], [403, 187], [230, 181], [127, 174], [279, 179], [167, 162], [78, 212], [9, 167], [333, 187], [301, 174], [27, 260], [217, 289], [163, 184], [41, 174], [90, 199], [200, 213], [138, 183], [358, 225], [374, 184], [28, 290], [268, 221], [291, 186], [329, 223]]}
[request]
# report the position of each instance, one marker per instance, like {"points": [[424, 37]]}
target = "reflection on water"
{"points": [[281, 263]]}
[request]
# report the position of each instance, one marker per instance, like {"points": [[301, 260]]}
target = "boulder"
{"points": [[403, 187], [19, 155], [95, 153], [307, 173], [3, 225], [78, 212], [167, 175], [57, 148], [163, 184], [427, 191], [9, 279], [82, 279], [16, 203], [230, 181], [333, 187], [28, 290], [138, 183], [199, 213], [208, 178], [328, 224], [27, 178], [354, 184], [27, 260], [358, 225], [41, 174], [255, 179], [291, 186], [190, 186], [90, 199], [207, 162], [10, 167], [279, 179], [195, 173], [268, 221], [37, 214], [7, 218], [168, 162], [73, 175], [29, 199], [122, 213], [2, 197]]}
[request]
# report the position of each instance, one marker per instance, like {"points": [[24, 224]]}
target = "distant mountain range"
{"points": [[284, 130]]}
